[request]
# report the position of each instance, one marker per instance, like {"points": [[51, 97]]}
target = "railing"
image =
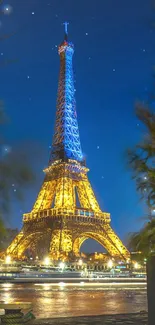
{"points": [[70, 214]]}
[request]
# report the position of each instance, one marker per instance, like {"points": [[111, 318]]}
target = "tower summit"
{"points": [[66, 30], [66, 211]]}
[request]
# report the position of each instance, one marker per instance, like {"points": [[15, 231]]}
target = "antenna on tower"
{"points": [[66, 30]]}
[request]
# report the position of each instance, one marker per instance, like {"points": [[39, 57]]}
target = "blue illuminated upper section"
{"points": [[66, 140]]}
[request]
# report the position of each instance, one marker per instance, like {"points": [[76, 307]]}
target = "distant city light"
{"points": [[8, 259], [46, 261], [62, 265], [110, 264], [136, 265]]}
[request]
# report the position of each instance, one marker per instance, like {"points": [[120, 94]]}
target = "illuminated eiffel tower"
{"points": [[66, 211]]}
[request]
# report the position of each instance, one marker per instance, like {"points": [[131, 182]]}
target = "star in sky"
{"points": [[6, 150], [7, 9]]}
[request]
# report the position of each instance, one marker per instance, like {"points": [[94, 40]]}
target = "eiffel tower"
{"points": [[66, 211]]}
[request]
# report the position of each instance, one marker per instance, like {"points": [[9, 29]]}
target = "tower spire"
{"points": [[66, 30], [66, 141]]}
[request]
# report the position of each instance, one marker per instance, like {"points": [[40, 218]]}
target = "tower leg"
{"points": [[117, 243], [61, 243], [105, 236], [13, 249], [29, 240]]}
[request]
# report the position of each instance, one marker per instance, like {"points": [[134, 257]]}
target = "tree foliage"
{"points": [[144, 240], [16, 172], [141, 159]]}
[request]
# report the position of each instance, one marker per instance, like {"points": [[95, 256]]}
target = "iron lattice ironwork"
{"points": [[66, 211]]}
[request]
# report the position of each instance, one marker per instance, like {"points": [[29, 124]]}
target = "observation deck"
{"points": [[64, 214]]}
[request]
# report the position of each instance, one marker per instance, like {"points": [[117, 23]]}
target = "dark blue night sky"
{"points": [[113, 63]]}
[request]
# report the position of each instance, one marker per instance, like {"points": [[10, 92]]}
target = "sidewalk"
{"points": [[123, 319]]}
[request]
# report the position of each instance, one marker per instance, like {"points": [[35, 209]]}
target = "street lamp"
{"points": [[62, 265], [110, 264], [80, 262], [46, 261], [136, 265], [7, 259]]}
